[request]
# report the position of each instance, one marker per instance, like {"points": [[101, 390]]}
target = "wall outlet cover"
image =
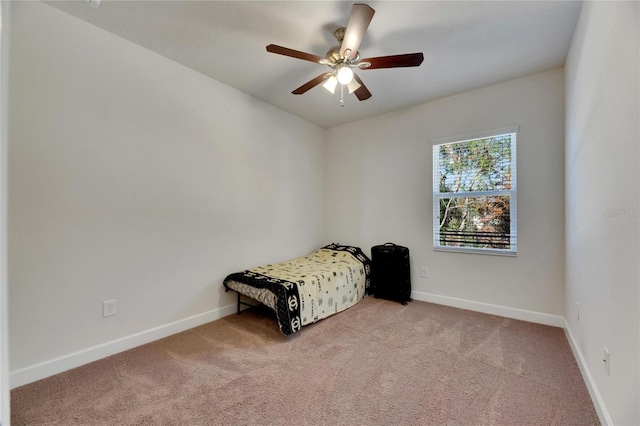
{"points": [[108, 308]]}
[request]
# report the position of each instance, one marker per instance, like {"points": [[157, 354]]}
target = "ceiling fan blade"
{"points": [[394, 61], [311, 83], [294, 53], [361, 15], [362, 93]]}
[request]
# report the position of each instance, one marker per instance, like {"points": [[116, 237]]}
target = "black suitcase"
{"points": [[390, 272]]}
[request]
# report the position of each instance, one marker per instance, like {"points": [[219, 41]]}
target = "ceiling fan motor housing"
{"points": [[335, 58]]}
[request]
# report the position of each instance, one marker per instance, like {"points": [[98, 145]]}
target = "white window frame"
{"points": [[512, 193]]}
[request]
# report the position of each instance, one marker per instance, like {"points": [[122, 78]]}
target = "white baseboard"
{"points": [[487, 308], [598, 403], [45, 369]]}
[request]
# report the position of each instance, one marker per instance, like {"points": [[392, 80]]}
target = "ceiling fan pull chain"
{"points": [[342, 95]]}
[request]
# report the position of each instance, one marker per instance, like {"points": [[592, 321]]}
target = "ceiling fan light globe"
{"points": [[345, 74]]}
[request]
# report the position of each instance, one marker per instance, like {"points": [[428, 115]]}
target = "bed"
{"points": [[307, 289]]}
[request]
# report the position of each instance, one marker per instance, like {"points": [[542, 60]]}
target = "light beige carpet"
{"points": [[378, 363]]}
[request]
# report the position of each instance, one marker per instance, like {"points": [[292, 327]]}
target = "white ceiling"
{"points": [[466, 45]]}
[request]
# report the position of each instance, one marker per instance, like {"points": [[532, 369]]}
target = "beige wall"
{"points": [[134, 178], [379, 189], [5, 405], [602, 181]]}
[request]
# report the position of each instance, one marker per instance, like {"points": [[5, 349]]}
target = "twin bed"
{"points": [[307, 289]]}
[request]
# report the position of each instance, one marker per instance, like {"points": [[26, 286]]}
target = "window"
{"points": [[474, 193]]}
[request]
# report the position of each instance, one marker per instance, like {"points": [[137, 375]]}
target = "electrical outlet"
{"points": [[424, 272], [108, 308], [578, 310], [606, 359]]}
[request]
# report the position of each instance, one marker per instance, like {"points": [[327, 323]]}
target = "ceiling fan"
{"points": [[343, 59]]}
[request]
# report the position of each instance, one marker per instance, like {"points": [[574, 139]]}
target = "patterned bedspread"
{"points": [[309, 288]]}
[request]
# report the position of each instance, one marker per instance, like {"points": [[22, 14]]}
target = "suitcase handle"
{"points": [[387, 247]]}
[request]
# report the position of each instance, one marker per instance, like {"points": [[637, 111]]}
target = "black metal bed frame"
{"points": [[240, 302]]}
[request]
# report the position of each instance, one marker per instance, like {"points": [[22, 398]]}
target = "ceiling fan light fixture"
{"points": [[345, 74], [330, 84]]}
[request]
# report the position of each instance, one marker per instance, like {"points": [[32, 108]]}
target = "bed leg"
{"points": [[240, 303]]}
